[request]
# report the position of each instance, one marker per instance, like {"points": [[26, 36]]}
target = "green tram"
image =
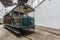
{"points": [[21, 17]]}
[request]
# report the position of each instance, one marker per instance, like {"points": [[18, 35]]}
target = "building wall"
{"points": [[48, 14]]}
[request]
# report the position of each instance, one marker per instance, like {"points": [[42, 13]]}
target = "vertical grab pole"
{"points": [[12, 17]]}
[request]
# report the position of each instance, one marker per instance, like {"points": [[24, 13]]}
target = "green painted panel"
{"points": [[27, 22]]}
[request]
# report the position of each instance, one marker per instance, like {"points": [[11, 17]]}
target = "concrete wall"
{"points": [[48, 14]]}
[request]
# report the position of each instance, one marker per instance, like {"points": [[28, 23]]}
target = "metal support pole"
{"points": [[12, 17]]}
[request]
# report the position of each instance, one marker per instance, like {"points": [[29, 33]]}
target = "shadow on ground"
{"points": [[23, 33]]}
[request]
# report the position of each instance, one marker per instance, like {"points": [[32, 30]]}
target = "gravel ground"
{"points": [[7, 35], [40, 33], [37, 34]]}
